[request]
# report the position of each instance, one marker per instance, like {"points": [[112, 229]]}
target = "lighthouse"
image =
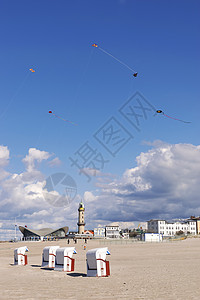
{"points": [[81, 223]]}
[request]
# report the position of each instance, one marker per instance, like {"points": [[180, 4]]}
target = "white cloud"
{"points": [[123, 225], [38, 214], [164, 184], [89, 197], [4, 156], [90, 172], [4, 160], [35, 155], [54, 162], [25, 197], [3, 174], [100, 176]]}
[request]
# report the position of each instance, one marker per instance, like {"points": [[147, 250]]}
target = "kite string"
{"points": [[121, 62], [63, 119], [15, 94], [176, 119]]}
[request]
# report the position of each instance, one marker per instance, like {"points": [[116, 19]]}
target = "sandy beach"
{"points": [[168, 270]]}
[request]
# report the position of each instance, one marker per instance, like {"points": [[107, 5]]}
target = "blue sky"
{"points": [[158, 39]]}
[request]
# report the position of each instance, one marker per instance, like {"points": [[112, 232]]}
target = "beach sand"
{"points": [[167, 270]]}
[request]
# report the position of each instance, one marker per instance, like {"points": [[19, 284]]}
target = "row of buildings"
{"points": [[189, 226], [107, 232]]}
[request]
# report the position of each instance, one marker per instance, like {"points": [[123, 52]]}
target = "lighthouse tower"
{"points": [[81, 223]]}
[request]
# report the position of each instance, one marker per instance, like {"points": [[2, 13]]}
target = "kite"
{"points": [[161, 112], [50, 112], [121, 62], [33, 71]]}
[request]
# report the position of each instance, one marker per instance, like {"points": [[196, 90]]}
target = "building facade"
{"points": [[112, 232], [99, 232], [198, 226], [197, 220], [151, 237], [170, 229]]}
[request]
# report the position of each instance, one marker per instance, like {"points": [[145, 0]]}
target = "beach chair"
{"points": [[48, 256], [20, 257], [64, 260], [97, 265]]}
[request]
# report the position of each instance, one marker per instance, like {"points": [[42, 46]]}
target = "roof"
{"points": [[155, 220], [41, 232]]}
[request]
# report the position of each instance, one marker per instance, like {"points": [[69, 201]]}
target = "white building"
{"points": [[99, 232], [151, 237], [112, 232], [170, 229]]}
